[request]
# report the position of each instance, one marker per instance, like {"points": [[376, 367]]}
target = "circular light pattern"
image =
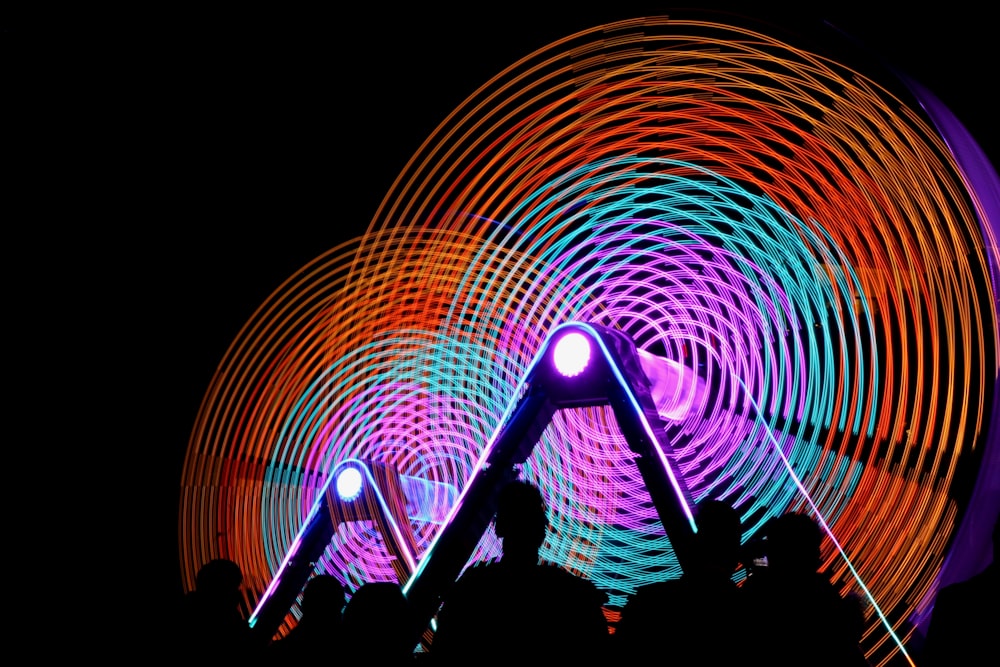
{"points": [[571, 354], [777, 224]]}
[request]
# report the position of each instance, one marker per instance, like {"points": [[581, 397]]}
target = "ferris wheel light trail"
{"points": [[762, 220], [355, 491], [563, 375], [826, 528]]}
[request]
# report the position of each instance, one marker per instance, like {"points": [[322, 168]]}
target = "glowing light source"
{"points": [[349, 483], [571, 354], [357, 491]]}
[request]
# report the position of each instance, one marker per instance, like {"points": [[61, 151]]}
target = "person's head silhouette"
{"points": [[378, 623], [212, 624], [793, 544], [521, 522], [218, 583], [718, 539], [323, 597]]}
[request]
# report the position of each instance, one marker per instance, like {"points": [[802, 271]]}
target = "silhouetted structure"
{"points": [[318, 629], [697, 618], [795, 616], [211, 627], [965, 620], [377, 627], [517, 608]]}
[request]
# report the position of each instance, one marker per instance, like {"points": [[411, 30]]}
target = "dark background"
{"points": [[207, 157]]}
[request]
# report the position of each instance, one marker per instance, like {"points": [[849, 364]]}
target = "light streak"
{"points": [[791, 227]]}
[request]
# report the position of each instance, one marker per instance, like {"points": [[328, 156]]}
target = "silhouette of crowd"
{"points": [[688, 616], [779, 610], [211, 626], [320, 625], [518, 606], [794, 613]]}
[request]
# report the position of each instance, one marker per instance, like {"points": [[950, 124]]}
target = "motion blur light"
{"points": [[349, 483], [572, 353], [356, 490], [580, 365]]}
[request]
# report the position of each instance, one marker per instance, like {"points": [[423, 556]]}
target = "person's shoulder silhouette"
{"points": [[318, 629], [211, 625], [500, 607], [698, 612], [826, 627], [965, 618], [378, 625]]}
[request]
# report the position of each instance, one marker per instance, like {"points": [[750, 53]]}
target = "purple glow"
{"points": [[677, 390], [972, 550]]}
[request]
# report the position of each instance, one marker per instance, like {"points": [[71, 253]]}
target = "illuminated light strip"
{"points": [[483, 458], [292, 551], [546, 392], [488, 451], [330, 496], [667, 465], [826, 528]]}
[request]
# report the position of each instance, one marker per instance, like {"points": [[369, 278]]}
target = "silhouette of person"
{"points": [[318, 629], [694, 617], [211, 625], [794, 613], [516, 607], [965, 620], [378, 626]]}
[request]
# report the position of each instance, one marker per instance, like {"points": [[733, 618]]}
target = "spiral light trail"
{"points": [[792, 229]]}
